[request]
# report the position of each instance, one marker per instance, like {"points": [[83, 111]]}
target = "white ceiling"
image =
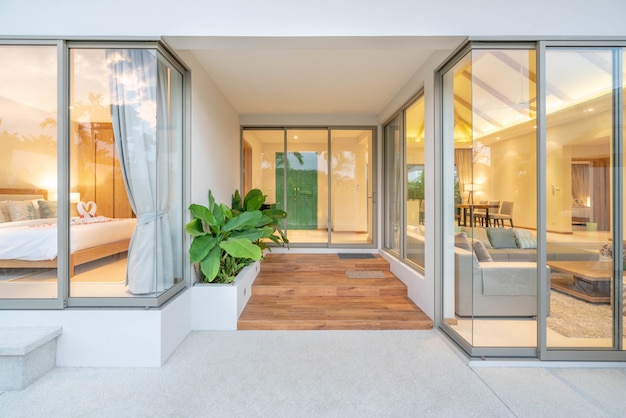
{"points": [[327, 75]]}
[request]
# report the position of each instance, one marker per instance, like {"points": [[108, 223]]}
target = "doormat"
{"points": [[348, 256], [359, 274]]}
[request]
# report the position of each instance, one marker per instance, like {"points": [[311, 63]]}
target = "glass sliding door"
{"points": [[351, 166], [302, 185], [292, 166], [532, 164], [490, 246], [393, 181], [580, 196], [28, 172]]}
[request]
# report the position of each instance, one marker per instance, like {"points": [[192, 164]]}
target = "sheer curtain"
{"points": [[463, 161], [138, 87]]}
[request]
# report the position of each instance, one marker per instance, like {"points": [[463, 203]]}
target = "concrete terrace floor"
{"points": [[321, 374]]}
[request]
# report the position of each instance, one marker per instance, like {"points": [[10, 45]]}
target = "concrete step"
{"points": [[26, 354]]}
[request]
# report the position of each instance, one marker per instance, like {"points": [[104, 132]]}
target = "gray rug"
{"points": [[355, 256], [572, 317], [358, 274]]}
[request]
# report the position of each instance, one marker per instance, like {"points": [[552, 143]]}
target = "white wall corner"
{"points": [[218, 306]]}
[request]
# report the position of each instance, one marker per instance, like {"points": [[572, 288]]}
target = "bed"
{"points": [[32, 243], [581, 213]]}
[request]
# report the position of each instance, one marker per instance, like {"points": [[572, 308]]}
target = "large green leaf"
{"points": [[236, 203], [242, 248], [267, 231], [275, 214], [219, 215], [253, 200], [211, 201], [253, 234], [200, 247], [228, 214], [201, 212], [265, 220], [243, 221], [211, 264], [194, 228]]}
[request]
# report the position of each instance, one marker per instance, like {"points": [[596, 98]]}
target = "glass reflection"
{"points": [[28, 172]]}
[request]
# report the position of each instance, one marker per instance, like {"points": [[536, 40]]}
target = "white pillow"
{"points": [[22, 210], [525, 239], [481, 252]]}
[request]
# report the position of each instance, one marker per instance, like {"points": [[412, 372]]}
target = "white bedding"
{"points": [[581, 212], [37, 239]]}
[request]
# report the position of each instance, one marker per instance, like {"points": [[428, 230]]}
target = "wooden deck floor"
{"points": [[312, 291]]}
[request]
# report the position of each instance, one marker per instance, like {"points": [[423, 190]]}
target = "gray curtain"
{"points": [[138, 88], [580, 184]]}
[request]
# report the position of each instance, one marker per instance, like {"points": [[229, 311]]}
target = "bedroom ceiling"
{"points": [[330, 75]]}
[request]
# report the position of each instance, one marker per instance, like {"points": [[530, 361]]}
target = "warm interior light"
{"points": [[588, 201], [74, 196]]}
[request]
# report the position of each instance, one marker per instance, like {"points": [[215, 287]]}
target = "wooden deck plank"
{"points": [[312, 291]]}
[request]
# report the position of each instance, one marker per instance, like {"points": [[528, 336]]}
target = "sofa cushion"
{"points": [[478, 233], [509, 279], [460, 240], [481, 252], [501, 237], [525, 238]]}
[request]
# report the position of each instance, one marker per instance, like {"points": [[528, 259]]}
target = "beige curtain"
{"points": [[580, 183], [463, 162]]}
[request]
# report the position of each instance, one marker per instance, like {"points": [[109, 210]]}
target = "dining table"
{"points": [[465, 207]]}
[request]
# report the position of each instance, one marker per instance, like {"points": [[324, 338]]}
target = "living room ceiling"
{"points": [[316, 75]]}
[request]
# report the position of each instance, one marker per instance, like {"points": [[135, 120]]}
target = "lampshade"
{"points": [[471, 187]]}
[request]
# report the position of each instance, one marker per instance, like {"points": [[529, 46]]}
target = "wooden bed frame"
{"points": [[76, 258]]}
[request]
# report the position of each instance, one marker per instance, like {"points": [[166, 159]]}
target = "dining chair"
{"points": [[479, 214], [494, 208], [506, 214]]}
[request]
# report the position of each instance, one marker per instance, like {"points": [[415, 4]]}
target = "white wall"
{"points": [[215, 138], [112, 337], [421, 288], [319, 18]]}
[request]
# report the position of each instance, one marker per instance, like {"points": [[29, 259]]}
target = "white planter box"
{"points": [[218, 306]]}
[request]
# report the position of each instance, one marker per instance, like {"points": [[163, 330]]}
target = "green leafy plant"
{"points": [[226, 239]]}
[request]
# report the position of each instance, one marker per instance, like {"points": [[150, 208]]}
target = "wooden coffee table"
{"points": [[591, 280]]}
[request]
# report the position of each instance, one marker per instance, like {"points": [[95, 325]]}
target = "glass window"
{"points": [[415, 203], [125, 173], [28, 172], [393, 180]]}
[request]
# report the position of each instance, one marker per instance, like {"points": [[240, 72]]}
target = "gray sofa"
{"points": [[554, 251], [496, 288]]}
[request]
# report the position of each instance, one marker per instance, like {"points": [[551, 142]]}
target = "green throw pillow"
{"points": [[501, 237], [525, 238], [47, 209]]}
